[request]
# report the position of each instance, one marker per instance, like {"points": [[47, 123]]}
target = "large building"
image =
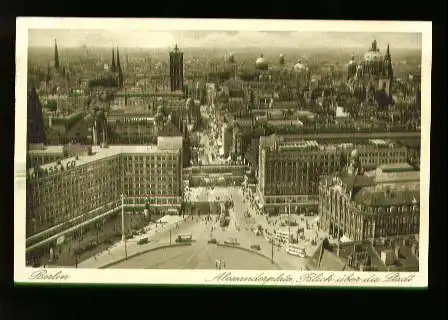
{"points": [[381, 203], [176, 69], [289, 170], [70, 188]]}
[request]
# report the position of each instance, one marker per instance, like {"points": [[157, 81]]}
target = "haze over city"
{"points": [[220, 39]]}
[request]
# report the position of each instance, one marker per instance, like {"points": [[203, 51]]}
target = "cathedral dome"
{"points": [[261, 63], [231, 58]]}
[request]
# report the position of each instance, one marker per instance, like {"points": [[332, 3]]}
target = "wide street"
{"points": [[199, 255]]}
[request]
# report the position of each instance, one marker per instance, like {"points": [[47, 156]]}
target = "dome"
{"points": [[261, 63], [300, 67], [231, 58], [373, 56]]}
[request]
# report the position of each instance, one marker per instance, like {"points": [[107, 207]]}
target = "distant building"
{"points": [[373, 76], [226, 139], [176, 69]]}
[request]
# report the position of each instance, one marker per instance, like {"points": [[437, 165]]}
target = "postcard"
{"points": [[222, 152]]}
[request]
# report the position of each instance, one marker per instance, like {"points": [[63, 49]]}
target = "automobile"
{"points": [[212, 241], [143, 241], [129, 236], [255, 247], [232, 241], [184, 238]]}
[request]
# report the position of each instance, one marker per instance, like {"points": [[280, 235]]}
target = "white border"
{"points": [[22, 273]]}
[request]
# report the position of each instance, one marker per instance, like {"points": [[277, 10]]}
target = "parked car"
{"points": [[212, 241], [143, 241], [255, 247]]}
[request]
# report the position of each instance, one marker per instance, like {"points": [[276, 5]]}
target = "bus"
{"points": [[185, 237], [296, 250]]}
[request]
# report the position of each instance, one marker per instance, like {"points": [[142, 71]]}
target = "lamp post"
{"points": [[289, 222], [272, 250], [123, 236]]}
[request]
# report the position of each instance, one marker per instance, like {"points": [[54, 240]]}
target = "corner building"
{"points": [[82, 187], [383, 203]]}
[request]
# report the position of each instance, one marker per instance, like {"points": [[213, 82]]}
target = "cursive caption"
{"points": [[44, 274], [314, 277]]}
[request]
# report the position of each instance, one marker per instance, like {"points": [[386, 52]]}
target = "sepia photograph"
{"points": [[247, 151]]}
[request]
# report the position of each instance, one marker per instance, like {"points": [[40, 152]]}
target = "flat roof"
{"points": [[46, 149], [102, 153]]}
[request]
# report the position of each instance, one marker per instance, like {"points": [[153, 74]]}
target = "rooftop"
{"points": [[41, 149], [103, 153], [328, 257], [389, 194]]}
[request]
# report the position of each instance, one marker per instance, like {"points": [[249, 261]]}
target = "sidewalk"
{"points": [[157, 236]]}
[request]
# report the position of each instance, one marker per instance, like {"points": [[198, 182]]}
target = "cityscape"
{"points": [[207, 150]]}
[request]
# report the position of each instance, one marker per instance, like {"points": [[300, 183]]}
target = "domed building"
{"points": [[261, 63], [231, 58], [374, 71]]}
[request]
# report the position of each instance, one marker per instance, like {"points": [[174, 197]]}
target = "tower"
{"points": [[113, 61], [35, 119], [388, 73], [56, 55], [120, 72], [176, 69]]}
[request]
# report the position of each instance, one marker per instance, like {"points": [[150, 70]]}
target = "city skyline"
{"points": [[220, 39]]}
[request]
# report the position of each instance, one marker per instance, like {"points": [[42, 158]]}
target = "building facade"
{"points": [[289, 171], [377, 204], [60, 191]]}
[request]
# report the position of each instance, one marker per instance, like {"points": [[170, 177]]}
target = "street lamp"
{"points": [[123, 236]]}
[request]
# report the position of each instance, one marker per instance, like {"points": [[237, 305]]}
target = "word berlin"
{"points": [[228, 277]]}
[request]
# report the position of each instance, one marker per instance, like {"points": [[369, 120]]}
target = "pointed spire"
{"points": [[56, 55], [120, 72], [113, 60]]}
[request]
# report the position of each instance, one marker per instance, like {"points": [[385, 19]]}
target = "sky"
{"points": [[219, 39]]}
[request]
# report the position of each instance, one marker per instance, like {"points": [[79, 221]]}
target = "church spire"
{"points": [[56, 55], [113, 60], [120, 72]]}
